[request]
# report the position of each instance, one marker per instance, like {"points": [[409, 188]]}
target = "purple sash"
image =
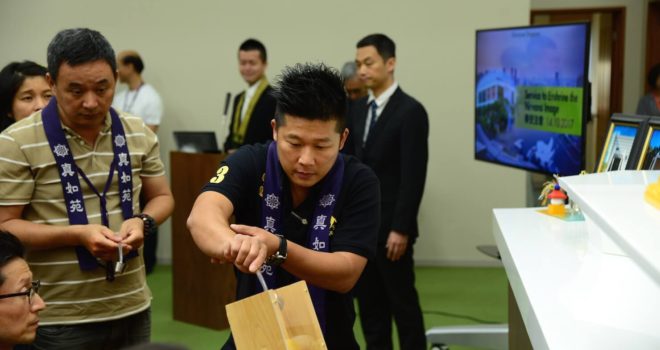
{"points": [[319, 231], [73, 194]]}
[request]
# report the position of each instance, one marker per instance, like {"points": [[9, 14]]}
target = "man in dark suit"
{"points": [[389, 132], [254, 108]]}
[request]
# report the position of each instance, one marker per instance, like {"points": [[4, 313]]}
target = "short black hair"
{"points": [[78, 46], [652, 77], [312, 91], [10, 249], [12, 77], [383, 44], [254, 44], [135, 61]]}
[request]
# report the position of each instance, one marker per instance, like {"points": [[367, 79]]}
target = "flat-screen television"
{"points": [[531, 96]]}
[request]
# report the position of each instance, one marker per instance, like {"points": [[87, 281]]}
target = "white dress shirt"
{"points": [[381, 102], [143, 102], [249, 93]]}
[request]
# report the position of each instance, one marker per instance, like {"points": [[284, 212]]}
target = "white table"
{"points": [[614, 203], [572, 295]]}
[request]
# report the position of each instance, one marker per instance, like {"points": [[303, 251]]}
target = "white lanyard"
{"points": [[127, 108]]}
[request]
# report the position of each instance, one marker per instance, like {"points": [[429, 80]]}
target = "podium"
{"points": [[200, 289]]}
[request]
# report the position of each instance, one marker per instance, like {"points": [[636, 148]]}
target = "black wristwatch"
{"points": [[149, 223], [280, 255]]}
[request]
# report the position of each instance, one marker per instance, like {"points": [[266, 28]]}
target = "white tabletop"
{"points": [[615, 202], [570, 294]]}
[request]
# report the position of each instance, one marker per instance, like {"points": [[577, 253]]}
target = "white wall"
{"points": [[190, 53], [635, 41]]}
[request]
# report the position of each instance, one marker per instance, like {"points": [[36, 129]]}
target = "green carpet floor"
{"points": [[449, 296]]}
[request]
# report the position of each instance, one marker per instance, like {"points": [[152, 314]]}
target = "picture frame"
{"points": [[620, 150], [649, 155]]}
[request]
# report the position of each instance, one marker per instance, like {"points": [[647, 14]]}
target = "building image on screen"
{"points": [[651, 153], [529, 98], [618, 148]]}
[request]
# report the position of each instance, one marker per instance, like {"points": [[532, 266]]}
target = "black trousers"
{"points": [[386, 290], [110, 335]]}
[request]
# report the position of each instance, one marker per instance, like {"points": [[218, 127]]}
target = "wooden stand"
{"points": [[200, 289], [518, 337], [281, 319]]}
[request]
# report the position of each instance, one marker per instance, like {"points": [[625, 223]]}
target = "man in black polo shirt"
{"points": [[305, 210]]}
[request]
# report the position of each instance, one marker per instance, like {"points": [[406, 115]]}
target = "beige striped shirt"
{"points": [[29, 176]]}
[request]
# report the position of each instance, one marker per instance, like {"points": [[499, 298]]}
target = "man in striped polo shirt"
{"points": [[70, 179]]}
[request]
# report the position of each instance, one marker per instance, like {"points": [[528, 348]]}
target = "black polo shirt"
{"points": [[357, 215]]}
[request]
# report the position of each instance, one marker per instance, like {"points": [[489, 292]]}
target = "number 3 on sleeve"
{"points": [[220, 175]]}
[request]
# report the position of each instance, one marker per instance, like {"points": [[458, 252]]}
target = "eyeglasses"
{"points": [[30, 292]]}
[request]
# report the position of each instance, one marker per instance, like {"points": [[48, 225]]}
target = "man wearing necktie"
{"points": [[253, 108], [389, 132]]}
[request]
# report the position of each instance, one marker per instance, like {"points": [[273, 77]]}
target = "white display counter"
{"points": [[571, 292], [614, 203]]}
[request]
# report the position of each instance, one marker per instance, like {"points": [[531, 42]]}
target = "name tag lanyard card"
{"points": [[110, 268]]}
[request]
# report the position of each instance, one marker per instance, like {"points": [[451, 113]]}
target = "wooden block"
{"points": [[281, 319]]}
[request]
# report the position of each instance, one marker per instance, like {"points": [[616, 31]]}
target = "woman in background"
{"points": [[650, 103], [23, 91]]}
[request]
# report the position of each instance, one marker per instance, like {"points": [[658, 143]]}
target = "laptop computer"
{"points": [[196, 141]]}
